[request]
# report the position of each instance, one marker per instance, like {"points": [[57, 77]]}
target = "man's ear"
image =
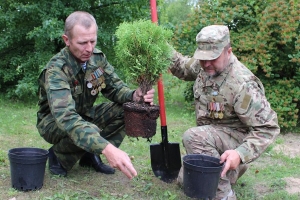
{"points": [[66, 40], [229, 51]]}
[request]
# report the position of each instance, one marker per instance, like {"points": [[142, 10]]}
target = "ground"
{"points": [[290, 147]]}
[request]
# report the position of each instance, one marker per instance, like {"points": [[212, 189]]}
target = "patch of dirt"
{"points": [[292, 186], [290, 147]]}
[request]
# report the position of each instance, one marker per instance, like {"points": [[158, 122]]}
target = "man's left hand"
{"points": [[148, 97]]}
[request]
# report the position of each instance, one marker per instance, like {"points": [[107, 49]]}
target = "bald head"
{"points": [[78, 18]]}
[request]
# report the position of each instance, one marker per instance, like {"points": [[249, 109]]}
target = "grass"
{"points": [[264, 180]]}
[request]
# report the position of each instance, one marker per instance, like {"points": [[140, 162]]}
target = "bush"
{"points": [[143, 52]]}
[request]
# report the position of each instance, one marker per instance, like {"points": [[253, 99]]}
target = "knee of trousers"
{"points": [[195, 136]]}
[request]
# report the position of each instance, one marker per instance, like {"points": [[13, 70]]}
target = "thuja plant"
{"points": [[143, 52]]}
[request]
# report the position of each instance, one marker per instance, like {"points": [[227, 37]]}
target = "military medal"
{"points": [[212, 109], [89, 85], [221, 115], [93, 92], [216, 115], [217, 105], [76, 83]]}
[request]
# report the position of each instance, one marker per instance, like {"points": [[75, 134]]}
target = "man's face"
{"points": [[82, 42], [218, 65]]}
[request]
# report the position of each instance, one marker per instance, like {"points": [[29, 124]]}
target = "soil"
{"points": [[290, 147], [140, 119]]}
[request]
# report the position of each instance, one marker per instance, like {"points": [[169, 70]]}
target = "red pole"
{"points": [[153, 11], [160, 86], [161, 100]]}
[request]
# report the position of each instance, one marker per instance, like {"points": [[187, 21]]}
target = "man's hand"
{"points": [[232, 159], [120, 160], [148, 97]]}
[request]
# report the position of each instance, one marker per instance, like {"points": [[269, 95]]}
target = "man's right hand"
{"points": [[232, 159], [120, 160]]}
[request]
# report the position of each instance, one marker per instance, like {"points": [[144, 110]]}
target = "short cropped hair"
{"points": [[79, 17]]}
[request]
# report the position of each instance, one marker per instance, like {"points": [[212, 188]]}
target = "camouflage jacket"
{"points": [[64, 96], [236, 99]]}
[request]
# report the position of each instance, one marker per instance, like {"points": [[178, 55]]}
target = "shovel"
{"points": [[165, 157]]}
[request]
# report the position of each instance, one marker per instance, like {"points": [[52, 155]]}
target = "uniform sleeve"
{"points": [[254, 110], [184, 67], [84, 134]]}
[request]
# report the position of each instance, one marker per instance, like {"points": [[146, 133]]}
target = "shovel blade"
{"points": [[165, 162]]}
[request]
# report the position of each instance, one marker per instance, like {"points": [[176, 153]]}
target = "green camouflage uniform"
{"points": [[67, 117], [242, 120]]}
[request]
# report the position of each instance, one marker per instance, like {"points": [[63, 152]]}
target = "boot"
{"points": [[92, 160], [54, 166], [230, 196]]}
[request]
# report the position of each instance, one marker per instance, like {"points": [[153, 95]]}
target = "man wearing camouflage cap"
{"points": [[68, 88], [234, 119]]}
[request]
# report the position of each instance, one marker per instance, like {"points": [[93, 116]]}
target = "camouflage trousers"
{"points": [[213, 140], [108, 117]]}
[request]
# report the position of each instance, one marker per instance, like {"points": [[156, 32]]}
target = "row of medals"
{"points": [[215, 109], [96, 81]]}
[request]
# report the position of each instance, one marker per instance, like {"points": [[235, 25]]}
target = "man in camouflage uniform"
{"points": [[68, 88], [234, 119]]}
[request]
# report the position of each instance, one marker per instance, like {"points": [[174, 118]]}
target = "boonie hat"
{"points": [[211, 41]]}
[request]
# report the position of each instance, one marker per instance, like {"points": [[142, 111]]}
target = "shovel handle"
{"points": [[161, 101], [153, 11], [160, 86]]}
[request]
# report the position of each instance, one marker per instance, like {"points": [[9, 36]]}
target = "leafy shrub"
{"points": [[143, 52]]}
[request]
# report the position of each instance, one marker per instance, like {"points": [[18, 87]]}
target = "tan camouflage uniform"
{"points": [[247, 123], [67, 116]]}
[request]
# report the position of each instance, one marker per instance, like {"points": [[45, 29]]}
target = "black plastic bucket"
{"points": [[27, 167], [201, 175]]}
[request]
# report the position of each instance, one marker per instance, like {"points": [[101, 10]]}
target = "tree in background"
{"points": [[265, 36], [30, 34], [173, 12]]}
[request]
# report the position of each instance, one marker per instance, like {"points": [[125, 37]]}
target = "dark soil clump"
{"points": [[140, 119]]}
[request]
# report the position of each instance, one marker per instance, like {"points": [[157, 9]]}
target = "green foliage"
{"points": [[143, 52], [284, 98], [265, 36], [31, 34], [174, 12]]}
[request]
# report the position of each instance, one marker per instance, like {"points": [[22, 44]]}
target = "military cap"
{"points": [[211, 41]]}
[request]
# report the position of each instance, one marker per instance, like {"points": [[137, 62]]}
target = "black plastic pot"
{"points": [[27, 167], [201, 176]]}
